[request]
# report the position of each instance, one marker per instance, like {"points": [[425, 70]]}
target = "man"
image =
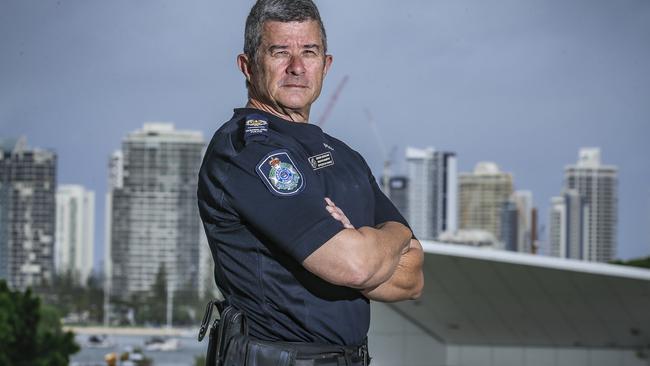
{"points": [[301, 235]]}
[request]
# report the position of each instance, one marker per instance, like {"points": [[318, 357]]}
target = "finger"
{"points": [[346, 221], [340, 212], [329, 201]]}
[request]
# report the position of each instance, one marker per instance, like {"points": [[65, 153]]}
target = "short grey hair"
{"points": [[281, 11]]}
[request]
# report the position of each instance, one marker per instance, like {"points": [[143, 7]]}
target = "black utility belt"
{"points": [[245, 350], [230, 345]]}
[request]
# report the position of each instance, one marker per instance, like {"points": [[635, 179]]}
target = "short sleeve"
{"points": [[278, 196]]}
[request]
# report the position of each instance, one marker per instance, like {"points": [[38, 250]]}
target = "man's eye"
{"points": [[281, 53]]}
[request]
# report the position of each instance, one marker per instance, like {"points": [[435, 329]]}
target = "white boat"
{"points": [[162, 344]]}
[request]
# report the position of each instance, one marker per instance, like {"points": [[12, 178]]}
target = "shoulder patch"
{"points": [[280, 174], [256, 128]]}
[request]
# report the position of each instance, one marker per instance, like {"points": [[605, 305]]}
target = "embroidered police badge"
{"points": [[280, 174]]}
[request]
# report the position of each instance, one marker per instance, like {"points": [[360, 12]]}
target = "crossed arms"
{"points": [[383, 262]]}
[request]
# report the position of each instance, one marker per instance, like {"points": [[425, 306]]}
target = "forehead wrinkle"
{"points": [[274, 47], [290, 34]]}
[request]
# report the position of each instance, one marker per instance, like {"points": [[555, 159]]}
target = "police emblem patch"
{"points": [[280, 174]]}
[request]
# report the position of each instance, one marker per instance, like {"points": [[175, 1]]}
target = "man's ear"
{"points": [[245, 65], [328, 63]]}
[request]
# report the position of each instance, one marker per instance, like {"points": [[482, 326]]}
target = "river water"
{"points": [[184, 356]]}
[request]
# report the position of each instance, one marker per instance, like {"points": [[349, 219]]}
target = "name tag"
{"points": [[321, 160]]}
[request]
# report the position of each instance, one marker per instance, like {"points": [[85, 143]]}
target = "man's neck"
{"points": [[284, 113]]}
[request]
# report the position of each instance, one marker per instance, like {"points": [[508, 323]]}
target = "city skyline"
{"points": [[524, 84]]}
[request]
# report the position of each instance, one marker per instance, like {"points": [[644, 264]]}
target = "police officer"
{"points": [[301, 235]]}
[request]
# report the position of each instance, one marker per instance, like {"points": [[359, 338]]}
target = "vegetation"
{"points": [[30, 333], [82, 304], [78, 303], [637, 262], [150, 308], [199, 361]]}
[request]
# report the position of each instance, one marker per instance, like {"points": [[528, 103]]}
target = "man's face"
{"points": [[290, 66]]}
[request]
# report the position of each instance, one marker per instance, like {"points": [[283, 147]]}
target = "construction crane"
{"points": [[332, 102], [388, 157]]}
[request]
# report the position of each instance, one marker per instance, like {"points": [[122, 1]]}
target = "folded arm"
{"points": [[407, 281], [360, 258]]}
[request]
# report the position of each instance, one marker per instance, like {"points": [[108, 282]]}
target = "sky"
{"points": [[525, 84]]}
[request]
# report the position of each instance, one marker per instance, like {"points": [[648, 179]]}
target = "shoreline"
{"points": [[135, 331]]}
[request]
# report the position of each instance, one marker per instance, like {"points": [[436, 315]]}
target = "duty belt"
{"points": [[231, 345], [308, 354]]}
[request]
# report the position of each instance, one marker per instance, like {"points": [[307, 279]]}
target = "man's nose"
{"points": [[296, 66]]}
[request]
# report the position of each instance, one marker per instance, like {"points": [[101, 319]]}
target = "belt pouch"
{"points": [[230, 324]]}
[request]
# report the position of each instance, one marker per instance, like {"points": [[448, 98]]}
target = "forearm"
{"points": [[381, 251], [407, 280], [360, 258]]}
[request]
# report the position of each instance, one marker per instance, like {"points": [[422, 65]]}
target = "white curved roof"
{"points": [[491, 297]]}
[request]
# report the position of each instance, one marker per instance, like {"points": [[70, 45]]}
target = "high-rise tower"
{"points": [[569, 228], [154, 220], [482, 195], [27, 214], [431, 192], [75, 231], [398, 188], [592, 190]]}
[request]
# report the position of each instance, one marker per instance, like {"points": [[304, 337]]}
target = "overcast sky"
{"points": [[522, 83]]}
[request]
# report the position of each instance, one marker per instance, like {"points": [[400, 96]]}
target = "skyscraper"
{"points": [[115, 181], [27, 213], [510, 225], [592, 188], [518, 223], [481, 197], [398, 188], [445, 192], [432, 194], [569, 225], [557, 227], [154, 220], [525, 221], [75, 231]]}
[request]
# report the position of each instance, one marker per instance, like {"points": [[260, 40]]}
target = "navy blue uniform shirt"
{"points": [[261, 195]]}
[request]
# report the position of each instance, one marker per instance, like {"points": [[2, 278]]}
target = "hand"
{"points": [[338, 214]]}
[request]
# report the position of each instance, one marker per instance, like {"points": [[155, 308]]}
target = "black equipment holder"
{"points": [[231, 323]]}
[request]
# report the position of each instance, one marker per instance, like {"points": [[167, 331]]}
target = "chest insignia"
{"points": [[280, 174], [256, 128], [321, 160]]}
